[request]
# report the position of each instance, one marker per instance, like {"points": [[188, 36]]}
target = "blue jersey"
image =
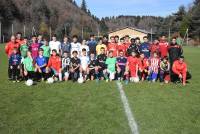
{"points": [[15, 59], [41, 61], [121, 62], [145, 49]]}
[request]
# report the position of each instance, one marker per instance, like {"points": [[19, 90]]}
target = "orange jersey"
{"points": [[113, 47], [55, 63], [180, 68], [10, 46]]}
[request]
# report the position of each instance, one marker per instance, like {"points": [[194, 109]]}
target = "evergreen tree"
{"points": [[84, 6]]}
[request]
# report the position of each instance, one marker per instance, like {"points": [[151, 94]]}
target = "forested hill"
{"points": [[42, 14], [66, 17]]}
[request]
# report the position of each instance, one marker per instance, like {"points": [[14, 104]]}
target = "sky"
{"points": [[103, 8]]}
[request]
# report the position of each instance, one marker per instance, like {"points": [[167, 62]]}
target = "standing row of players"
{"points": [[123, 59]]}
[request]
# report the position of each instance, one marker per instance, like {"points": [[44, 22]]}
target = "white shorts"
{"points": [[111, 74]]}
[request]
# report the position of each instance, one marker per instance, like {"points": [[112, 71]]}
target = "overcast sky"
{"points": [[102, 8]]}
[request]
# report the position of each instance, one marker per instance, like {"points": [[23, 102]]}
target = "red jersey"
{"points": [[133, 64], [55, 63], [143, 63], [154, 64], [121, 47], [154, 48], [180, 68], [113, 47], [163, 48], [10, 46]]}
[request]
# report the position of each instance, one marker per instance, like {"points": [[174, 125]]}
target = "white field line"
{"points": [[131, 121]]}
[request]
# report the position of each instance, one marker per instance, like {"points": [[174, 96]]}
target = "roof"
{"points": [[136, 29]]}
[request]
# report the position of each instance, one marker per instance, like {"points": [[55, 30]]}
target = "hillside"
{"points": [[42, 14]]}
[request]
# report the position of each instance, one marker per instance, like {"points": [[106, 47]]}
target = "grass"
{"points": [[168, 109], [71, 108]]}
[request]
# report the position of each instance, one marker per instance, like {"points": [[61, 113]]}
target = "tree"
{"points": [[84, 6], [195, 20]]}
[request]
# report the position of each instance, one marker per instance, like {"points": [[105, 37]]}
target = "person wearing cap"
{"points": [[180, 69]]}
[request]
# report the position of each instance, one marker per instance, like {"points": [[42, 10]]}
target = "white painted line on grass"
{"points": [[131, 121]]}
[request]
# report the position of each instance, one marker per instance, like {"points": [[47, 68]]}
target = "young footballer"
{"points": [[65, 46], [54, 65], [14, 65], [55, 45], [180, 69], [24, 48], [29, 69], [132, 68], [143, 67], [75, 45], [163, 47], [9, 50], [46, 49], [75, 66], [34, 47], [84, 46], [66, 61], [145, 47], [91, 67], [111, 64], [121, 65], [112, 46], [84, 64], [164, 70], [154, 67], [99, 46], [40, 65], [100, 68]]}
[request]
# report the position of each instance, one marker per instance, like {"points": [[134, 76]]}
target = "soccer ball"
{"points": [[135, 79], [80, 80], [50, 80], [29, 82]]}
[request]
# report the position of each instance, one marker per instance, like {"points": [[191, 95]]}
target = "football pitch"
{"points": [[91, 108]]}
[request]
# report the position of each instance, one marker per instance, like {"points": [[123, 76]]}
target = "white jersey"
{"points": [[55, 45], [84, 61], [84, 47], [75, 47]]}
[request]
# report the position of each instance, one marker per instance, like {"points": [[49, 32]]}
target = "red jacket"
{"points": [[180, 68], [55, 63], [163, 48], [10, 46]]}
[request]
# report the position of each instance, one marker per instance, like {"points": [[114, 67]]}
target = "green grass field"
{"points": [[71, 108]]}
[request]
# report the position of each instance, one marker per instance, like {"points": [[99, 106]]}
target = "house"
{"points": [[132, 32]]}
